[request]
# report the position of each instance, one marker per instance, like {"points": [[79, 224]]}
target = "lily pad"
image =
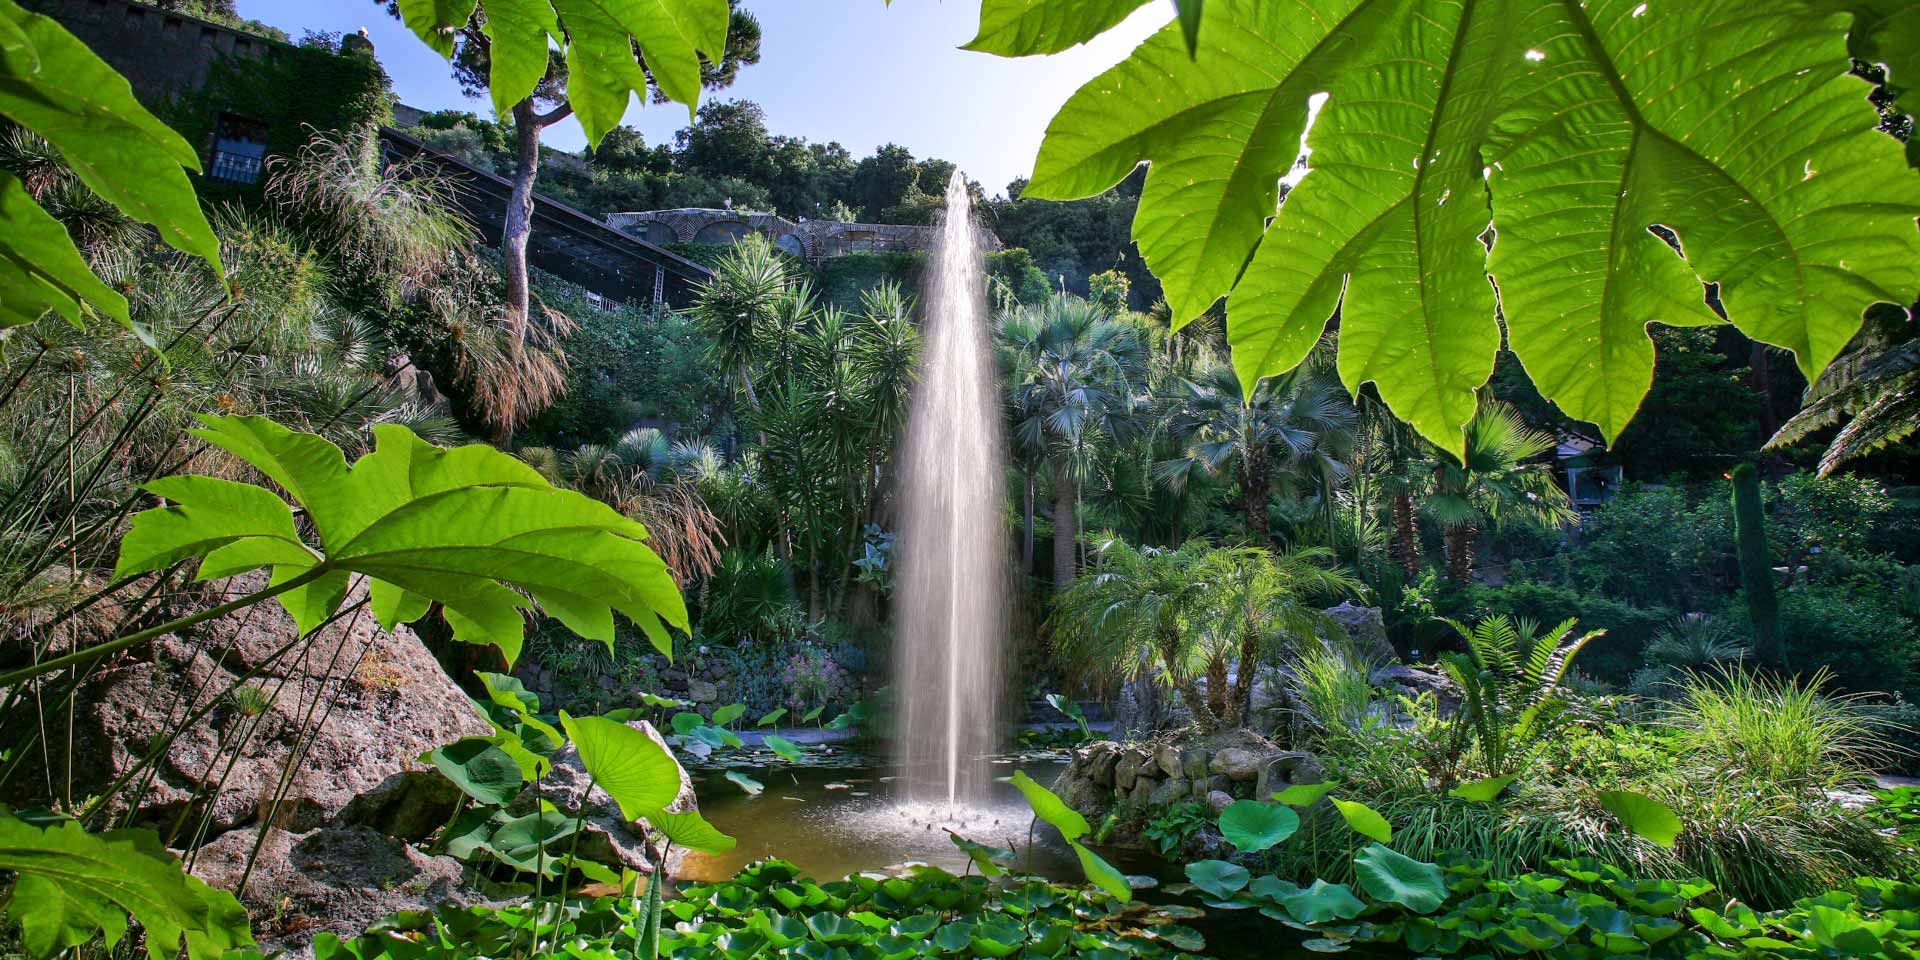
{"points": [[1252, 826], [1218, 877], [1393, 877]]}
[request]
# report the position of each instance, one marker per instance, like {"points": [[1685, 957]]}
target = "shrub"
{"points": [[1612, 658], [1781, 731], [1853, 630]]}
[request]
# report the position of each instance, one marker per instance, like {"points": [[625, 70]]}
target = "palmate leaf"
{"points": [[598, 39], [71, 885], [52, 84], [1571, 128], [470, 528]]}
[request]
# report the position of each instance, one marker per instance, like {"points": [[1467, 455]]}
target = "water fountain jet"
{"points": [[949, 609]]}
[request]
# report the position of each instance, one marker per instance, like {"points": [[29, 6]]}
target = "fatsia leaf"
{"points": [[459, 527], [39, 268], [71, 885], [1020, 28], [436, 21], [88, 112], [1582, 133]]}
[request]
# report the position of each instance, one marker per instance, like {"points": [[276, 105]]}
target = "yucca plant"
{"points": [[1509, 681]]}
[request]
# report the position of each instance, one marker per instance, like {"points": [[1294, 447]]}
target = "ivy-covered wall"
{"points": [[294, 92]]}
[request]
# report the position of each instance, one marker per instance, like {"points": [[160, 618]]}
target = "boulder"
{"points": [[351, 708], [334, 879], [1366, 629], [1193, 764], [1287, 769], [1126, 771], [702, 691], [1218, 801], [1100, 769], [1171, 791], [1412, 682], [1237, 763], [1167, 756]]}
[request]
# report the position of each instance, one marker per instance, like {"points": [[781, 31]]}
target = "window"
{"points": [[239, 147]]}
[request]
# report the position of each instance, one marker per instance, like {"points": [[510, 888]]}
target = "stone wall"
{"points": [[1141, 778]]}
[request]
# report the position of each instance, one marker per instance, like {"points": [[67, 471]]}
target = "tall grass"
{"points": [[1782, 731]]}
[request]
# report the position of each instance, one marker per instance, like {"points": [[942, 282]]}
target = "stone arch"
{"points": [[722, 231]]}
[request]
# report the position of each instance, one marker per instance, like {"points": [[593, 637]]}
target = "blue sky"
{"points": [[856, 71]]}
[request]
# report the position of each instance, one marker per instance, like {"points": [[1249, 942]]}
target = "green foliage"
{"points": [[1579, 272], [1585, 908], [672, 35], [70, 886], [1390, 877], [1898, 809], [770, 908], [51, 84], [1854, 630], [1072, 826], [1643, 815], [1252, 826], [1509, 683], [1781, 730], [425, 524], [480, 769], [1170, 827], [1756, 564]]}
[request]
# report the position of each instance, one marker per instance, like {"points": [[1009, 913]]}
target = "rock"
{"points": [[1237, 763], [1091, 799], [1218, 782], [382, 701], [335, 879], [1193, 764], [1170, 791], [1167, 756], [1101, 768], [1412, 682], [1365, 627], [1140, 711], [1126, 770], [1143, 789], [607, 836], [702, 691], [1218, 801], [1291, 768], [410, 805]]}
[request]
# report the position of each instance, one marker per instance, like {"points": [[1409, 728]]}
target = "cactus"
{"points": [[1756, 566]]}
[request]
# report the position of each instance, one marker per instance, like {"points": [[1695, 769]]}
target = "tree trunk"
{"points": [[1460, 542], [1217, 686], [1066, 525], [1256, 487], [1406, 535], [1203, 715], [519, 219], [1026, 530]]}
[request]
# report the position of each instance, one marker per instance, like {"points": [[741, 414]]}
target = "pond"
{"points": [[849, 816]]}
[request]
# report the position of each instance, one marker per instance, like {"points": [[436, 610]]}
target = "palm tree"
{"points": [[1299, 423], [735, 307], [1071, 371], [1267, 599], [1495, 485], [1874, 388], [1143, 609]]}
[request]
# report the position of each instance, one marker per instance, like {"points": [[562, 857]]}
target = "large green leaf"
{"points": [[633, 765], [1574, 129], [480, 769], [1323, 903], [52, 84], [1019, 28], [39, 268], [1048, 806], [1102, 874], [1393, 877], [1643, 815], [1218, 877], [598, 38], [71, 885], [458, 526], [1252, 826], [1364, 820]]}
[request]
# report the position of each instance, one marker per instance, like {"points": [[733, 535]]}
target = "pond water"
{"points": [[847, 816]]}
